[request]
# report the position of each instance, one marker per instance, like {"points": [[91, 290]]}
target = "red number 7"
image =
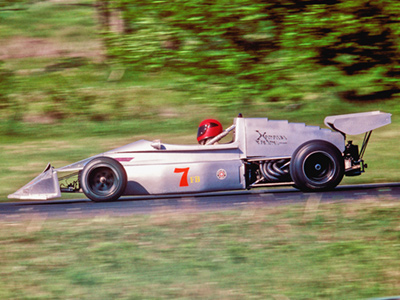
{"points": [[184, 179]]}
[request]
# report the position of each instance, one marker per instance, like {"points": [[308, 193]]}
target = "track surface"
{"points": [[194, 202]]}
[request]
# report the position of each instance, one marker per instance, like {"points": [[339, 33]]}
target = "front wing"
{"points": [[43, 187]]}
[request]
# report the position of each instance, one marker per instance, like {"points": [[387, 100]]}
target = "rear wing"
{"points": [[353, 124]]}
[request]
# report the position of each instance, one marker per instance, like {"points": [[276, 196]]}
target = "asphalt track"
{"points": [[126, 206]]}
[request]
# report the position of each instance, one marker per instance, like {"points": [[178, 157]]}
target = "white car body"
{"points": [[263, 152]]}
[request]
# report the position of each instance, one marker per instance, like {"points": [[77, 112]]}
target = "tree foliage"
{"points": [[266, 47]]}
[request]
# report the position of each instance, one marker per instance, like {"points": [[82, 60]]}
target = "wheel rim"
{"points": [[319, 167], [103, 181]]}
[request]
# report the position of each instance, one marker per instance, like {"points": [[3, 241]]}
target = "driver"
{"points": [[208, 129]]}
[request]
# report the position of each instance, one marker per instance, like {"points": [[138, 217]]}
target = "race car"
{"points": [[262, 153]]}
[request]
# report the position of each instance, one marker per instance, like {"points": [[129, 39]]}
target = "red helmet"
{"points": [[208, 129]]}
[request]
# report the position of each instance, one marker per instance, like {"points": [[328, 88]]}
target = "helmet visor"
{"points": [[203, 129]]}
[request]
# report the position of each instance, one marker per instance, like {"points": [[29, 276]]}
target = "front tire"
{"points": [[317, 166], [103, 179]]}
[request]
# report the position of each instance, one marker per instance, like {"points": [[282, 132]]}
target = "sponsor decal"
{"points": [[124, 159], [195, 179], [271, 139], [221, 174], [185, 178]]}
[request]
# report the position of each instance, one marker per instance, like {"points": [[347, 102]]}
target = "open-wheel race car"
{"points": [[262, 153]]}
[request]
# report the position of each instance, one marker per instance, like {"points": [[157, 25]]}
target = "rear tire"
{"points": [[103, 179], [317, 166]]}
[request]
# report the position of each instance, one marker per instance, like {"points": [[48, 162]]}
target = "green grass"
{"points": [[335, 251]]}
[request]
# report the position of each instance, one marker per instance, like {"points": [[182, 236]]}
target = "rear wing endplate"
{"points": [[353, 124]]}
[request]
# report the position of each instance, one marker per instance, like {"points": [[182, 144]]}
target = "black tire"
{"points": [[317, 166], [103, 179]]}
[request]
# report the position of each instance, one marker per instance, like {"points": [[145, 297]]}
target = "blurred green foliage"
{"points": [[15, 4], [5, 3], [6, 82], [282, 59], [269, 49]]}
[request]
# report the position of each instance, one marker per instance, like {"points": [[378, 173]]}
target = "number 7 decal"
{"points": [[184, 179]]}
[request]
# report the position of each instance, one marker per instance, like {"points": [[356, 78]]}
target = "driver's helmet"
{"points": [[208, 129]]}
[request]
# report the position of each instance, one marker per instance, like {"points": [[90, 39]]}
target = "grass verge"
{"points": [[335, 251]]}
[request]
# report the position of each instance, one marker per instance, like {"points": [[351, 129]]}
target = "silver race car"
{"points": [[262, 153]]}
